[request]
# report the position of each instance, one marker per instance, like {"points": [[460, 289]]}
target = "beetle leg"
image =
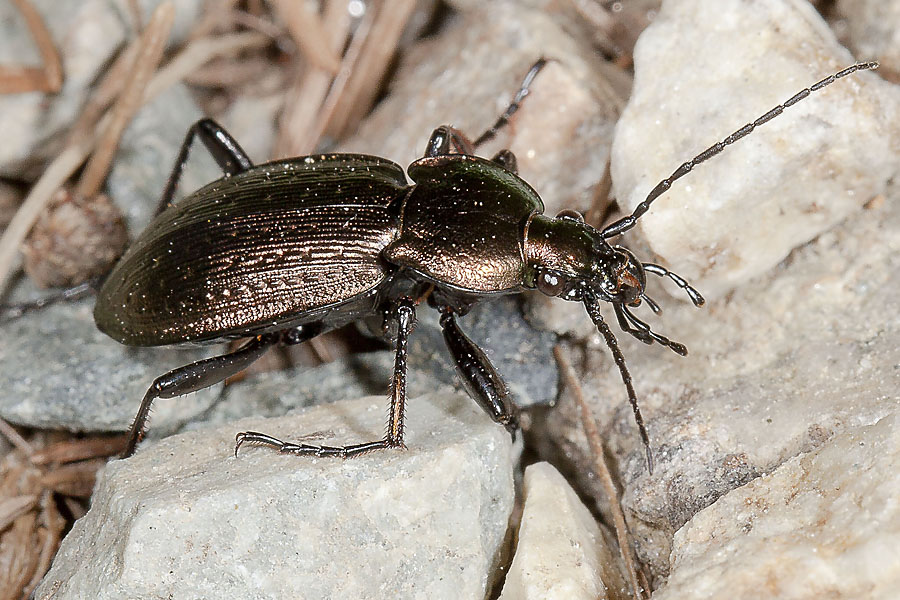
{"points": [[228, 154], [405, 314], [503, 119], [507, 160], [196, 376], [445, 137], [9, 312], [477, 373]]}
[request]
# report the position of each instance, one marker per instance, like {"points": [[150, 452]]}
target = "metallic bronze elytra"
{"points": [[286, 250]]}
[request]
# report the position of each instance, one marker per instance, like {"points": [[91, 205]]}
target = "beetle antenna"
{"points": [[503, 119], [626, 223], [695, 296], [592, 304]]}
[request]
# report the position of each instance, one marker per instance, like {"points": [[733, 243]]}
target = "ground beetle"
{"points": [[284, 251]]}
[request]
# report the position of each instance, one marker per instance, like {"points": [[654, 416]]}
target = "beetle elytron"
{"points": [[286, 250]]}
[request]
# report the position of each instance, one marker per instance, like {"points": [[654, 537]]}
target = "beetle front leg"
{"points": [[478, 374], [404, 312], [196, 376]]}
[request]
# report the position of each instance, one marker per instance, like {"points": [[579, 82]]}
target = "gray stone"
{"points": [[183, 518], [777, 369], [522, 355], [561, 551], [702, 71], [785, 361], [57, 370], [823, 525]]}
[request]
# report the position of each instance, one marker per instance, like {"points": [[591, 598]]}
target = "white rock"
{"points": [[823, 525], [561, 553], [184, 518], [704, 69], [778, 369]]}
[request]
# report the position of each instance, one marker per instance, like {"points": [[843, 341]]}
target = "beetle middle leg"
{"points": [[196, 376], [479, 376], [404, 312]]}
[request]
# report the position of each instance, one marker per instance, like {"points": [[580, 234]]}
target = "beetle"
{"points": [[284, 251]]}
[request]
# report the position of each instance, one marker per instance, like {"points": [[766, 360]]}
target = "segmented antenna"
{"points": [[626, 223]]}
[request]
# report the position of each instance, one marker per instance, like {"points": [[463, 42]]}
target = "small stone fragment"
{"points": [[561, 552], [184, 518], [823, 525]]}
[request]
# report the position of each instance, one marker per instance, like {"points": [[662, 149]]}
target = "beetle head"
{"points": [[567, 255]]}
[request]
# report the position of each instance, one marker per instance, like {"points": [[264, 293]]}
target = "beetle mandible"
{"points": [[284, 251]]}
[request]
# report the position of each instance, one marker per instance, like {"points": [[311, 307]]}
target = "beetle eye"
{"points": [[571, 214], [551, 284]]}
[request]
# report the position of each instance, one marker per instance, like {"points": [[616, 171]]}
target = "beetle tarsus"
{"points": [[254, 438], [404, 313]]}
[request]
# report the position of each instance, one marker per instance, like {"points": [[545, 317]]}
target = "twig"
{"points": [[297, 130], [308, 33], [62, 167], [198, 53], [368, 66], [600, 468], [53, 178], [48, 78], [12, 508], [153, 41], [15, 439]]}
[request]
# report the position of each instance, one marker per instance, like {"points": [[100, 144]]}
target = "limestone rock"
{"points": [[184, 518], [824, 524], [561, 552], [702, 71]]}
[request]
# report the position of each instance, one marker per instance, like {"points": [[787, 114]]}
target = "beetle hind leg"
{"points": [[196, 376], [405, 314]]}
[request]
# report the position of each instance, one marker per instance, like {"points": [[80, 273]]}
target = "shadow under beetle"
{"points": [[289, 249]]}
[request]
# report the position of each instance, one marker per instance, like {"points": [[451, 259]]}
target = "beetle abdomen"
{"points": [[238, 256]]}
